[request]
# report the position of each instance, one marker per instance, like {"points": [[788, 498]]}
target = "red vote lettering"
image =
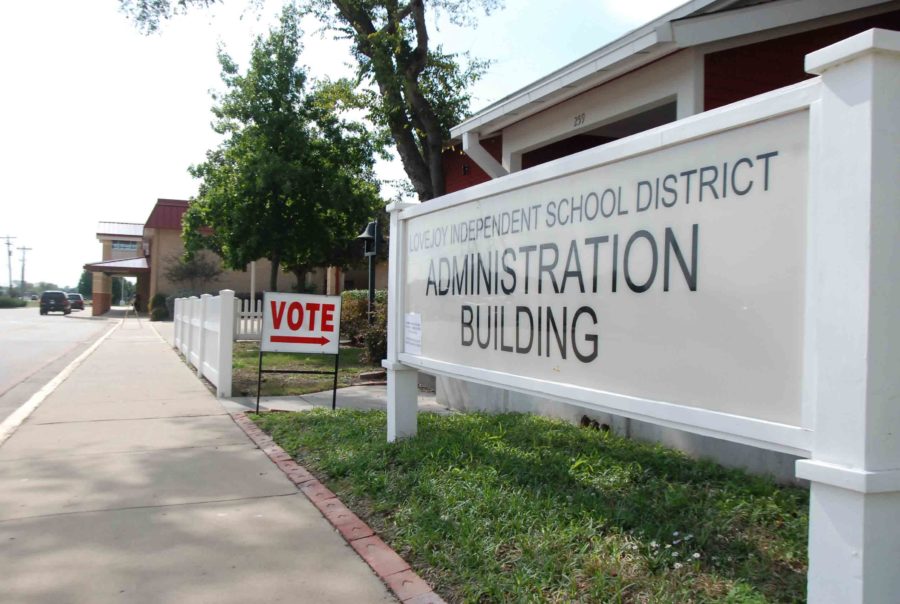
{"points": [[296, 315], [312, 307], [277, 313], [295, 310], [328, 317]]}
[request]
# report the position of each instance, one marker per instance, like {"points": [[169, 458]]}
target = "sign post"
{"points": [[300, 324]]}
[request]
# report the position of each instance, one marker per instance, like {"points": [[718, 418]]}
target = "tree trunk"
{"points": [[273, 276]]}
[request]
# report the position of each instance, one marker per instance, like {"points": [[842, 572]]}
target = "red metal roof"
{"points": [[167, 214]]}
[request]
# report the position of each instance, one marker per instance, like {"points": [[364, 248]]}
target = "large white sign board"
{"points": [[673, 276], [764, 312], [301, 323]]}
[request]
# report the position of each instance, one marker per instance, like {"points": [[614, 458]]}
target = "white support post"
{"points": [[253, 284], [226, 342], [854, 283], [402, 388], [177, 322], [189, 310], [201, 348]]}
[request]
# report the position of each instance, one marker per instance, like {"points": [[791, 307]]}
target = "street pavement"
{"points": [[34, 348], [131, 483]]}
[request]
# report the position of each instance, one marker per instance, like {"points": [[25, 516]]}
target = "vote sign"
{"points": [[301, 323]]}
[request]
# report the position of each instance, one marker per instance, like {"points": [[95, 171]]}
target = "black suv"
{"points": [[55, 302]]}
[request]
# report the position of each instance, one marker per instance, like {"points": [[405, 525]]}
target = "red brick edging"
{"points": [[384, 561]]}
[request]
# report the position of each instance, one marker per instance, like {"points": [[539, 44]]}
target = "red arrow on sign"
{"points": [[321, 340]]}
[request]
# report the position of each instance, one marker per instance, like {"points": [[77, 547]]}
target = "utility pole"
{"points": [[23, 249], [9, 244]]}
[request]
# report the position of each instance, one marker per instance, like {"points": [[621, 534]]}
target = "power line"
{"points": [[9, 244], [23, 249]]}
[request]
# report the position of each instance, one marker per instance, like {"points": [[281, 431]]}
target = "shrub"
{"points": [[375, 335], [354, 310], [158, 310], [9, 302]]}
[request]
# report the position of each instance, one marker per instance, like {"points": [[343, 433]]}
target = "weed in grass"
{"points": [[523, 508]]}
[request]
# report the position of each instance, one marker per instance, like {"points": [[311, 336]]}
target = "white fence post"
{"points": [[854, 533], [402, 386], [190, 340], [225, 350], [201, 345], [177, 319]]}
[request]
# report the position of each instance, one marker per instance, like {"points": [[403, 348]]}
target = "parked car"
{"points": [[54, 301], [76, 300]]}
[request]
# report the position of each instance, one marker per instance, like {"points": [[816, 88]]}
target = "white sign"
{"points": [[301, 323], [675, 276], [412, 333]]}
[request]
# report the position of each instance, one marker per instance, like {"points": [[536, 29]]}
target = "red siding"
{"points": [[166, 214], [461, 172], [738, 73]]}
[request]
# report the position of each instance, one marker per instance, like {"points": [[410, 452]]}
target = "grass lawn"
{"points": [[520, 508], [246, 363]]}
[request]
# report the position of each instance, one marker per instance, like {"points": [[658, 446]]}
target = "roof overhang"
{"points": [[125, 266], [691, 24]]}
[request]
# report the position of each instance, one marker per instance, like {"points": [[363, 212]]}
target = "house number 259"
{"points": [[579, 120]]}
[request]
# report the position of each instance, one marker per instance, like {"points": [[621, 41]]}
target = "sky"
{"points": [[98, 120]]}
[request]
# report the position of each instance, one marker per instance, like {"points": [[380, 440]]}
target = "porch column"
{"points": [[102, 294]]}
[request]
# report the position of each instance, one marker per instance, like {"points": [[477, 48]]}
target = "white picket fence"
{"points": [[248, 320], [204, 334]]}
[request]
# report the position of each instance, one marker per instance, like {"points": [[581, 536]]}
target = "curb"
{"points": [[393, 570]]}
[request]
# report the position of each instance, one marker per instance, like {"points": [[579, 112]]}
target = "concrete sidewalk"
{"points": [[131, 483]]}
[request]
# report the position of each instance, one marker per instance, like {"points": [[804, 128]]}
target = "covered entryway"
{"points": [[103, 272]]}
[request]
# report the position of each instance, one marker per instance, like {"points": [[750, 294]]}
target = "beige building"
{"points": [[148, 250]]}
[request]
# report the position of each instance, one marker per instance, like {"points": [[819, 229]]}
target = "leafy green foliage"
{"points": [[122, 289], [292, 182], [412, 91], [195, 272], [159, 310], [159, 299], [355, 313], [86, 284], [9, 302], [520, 508], [375, 334], [149, 13]]}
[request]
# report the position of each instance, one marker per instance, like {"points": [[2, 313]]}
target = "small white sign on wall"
{"points": [[412, 333]]}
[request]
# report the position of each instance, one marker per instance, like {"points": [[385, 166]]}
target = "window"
{"points": [[130, 246]]}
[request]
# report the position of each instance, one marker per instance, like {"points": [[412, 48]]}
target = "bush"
{"points": [[354, 310], [375, 335], [159, 313], [8, 302], [158, 310]]}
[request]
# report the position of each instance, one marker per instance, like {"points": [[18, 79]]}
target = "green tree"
{"points": [[413, 92], [86, 284], [196, 271], [291, 182]]}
